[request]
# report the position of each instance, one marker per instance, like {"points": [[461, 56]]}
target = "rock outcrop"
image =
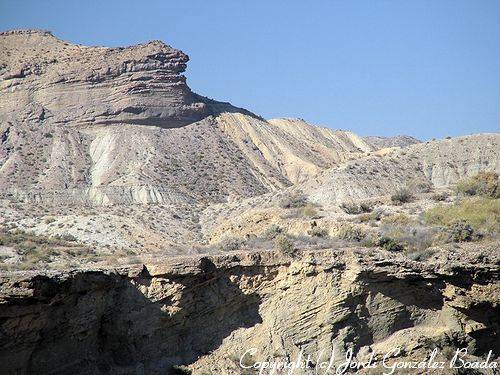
{"points": [[386, 142], [101, 126], [56, 82], [205, 312]]}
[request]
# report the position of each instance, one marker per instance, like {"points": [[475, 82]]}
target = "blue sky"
{"points": [[424, 68]]}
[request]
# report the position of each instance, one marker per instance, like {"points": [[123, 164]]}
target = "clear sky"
{"points": [[424, 68]]}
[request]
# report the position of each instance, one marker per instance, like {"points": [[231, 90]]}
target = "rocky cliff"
{"points": [[60, 83], [95, 125], [206, 312]]}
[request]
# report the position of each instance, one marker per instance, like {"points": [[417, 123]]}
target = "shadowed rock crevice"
{"points": [[108, 323]]}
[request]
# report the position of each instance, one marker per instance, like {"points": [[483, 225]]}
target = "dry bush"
{"points": [[390, 244], [440, 197], [398, 219], [317, 232], [351, 233], [272, 232], [308, 211], [231, 243], [420, 185], [353, 208], [485, 184], [401, 196]]}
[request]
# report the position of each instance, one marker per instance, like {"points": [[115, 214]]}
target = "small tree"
{"points": [[284, 244]]}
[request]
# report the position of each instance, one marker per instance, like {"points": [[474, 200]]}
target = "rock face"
{"points": [[100, 126], [60, 83], [206, 312]]}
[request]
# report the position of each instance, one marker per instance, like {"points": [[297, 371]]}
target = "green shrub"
{"points": [[482, 214], [284, 244], [461, 231], [486, 184], [390, 244], [401, 196]]}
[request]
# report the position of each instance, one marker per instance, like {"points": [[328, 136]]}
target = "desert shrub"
{"points": [[284, 244], [419, 238], [482, 214], [353, 208], [390, 244], [398, 219], [364, 218], [231, 244], [420, 185], [408, 232], [317, 232], [377, 214], [440, 197], [17, 238], [351, 233], [272, 232], [401, 196], [36, 249], [366, 207], [421, 255], [293, 201], [486, 184], [350, 208], [461, 231]]}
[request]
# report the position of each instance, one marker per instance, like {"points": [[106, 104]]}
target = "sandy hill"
{"points": [[422, 166]]}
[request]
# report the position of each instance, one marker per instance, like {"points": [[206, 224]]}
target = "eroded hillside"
{"points": [[147, 229]]}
